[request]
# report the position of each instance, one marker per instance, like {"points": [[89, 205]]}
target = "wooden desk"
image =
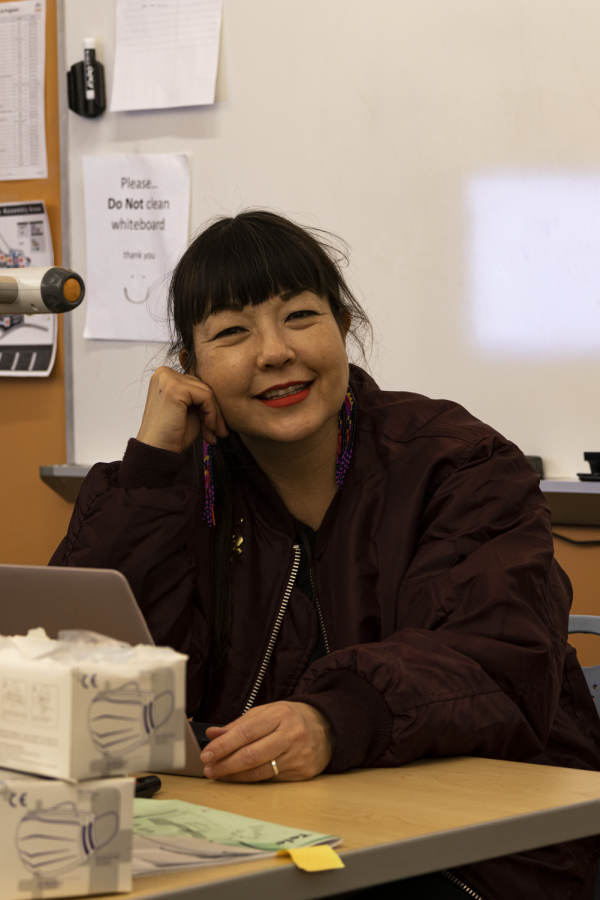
{"points": [[395, 823]]}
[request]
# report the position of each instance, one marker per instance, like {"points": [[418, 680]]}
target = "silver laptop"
{"points": [[60, 597]]}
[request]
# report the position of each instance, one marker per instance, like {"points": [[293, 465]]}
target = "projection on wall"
{"points": [[535, 265]]}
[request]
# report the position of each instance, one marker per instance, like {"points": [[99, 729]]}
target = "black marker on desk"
{"points": [[89, 73]]}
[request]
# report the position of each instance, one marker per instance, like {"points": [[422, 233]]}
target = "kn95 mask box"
{"points": [[64, 840], [86, 706]]}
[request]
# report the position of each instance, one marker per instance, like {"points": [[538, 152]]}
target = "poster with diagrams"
{"points": [[27, 343], [137, 210]]}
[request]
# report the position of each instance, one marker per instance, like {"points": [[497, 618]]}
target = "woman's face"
{"points": [[279, 371]]}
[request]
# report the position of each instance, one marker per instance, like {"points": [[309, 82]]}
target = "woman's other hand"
{"points": [[297, 736], [179, 408]]}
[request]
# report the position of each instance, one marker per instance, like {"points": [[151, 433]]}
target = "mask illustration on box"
{"points": [[122, 720], [53, 841]]}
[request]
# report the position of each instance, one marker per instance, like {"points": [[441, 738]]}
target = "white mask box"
{"points": [[64, 840], [75, 710]]}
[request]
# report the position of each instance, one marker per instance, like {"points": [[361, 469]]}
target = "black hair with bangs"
{"points": [[248, 258], [233, 262]]}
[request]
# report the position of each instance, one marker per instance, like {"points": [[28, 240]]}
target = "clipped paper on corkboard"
{"points": [[32, 425]]}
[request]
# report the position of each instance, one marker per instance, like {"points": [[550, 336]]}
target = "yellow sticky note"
{"points": [[314, 859]]}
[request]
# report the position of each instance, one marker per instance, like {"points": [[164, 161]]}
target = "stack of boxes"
{"points": [[75, 718]]}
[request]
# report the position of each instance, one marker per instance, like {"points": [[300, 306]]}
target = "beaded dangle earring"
{"points": [[346, 430], [347, 427], [209, 485]]}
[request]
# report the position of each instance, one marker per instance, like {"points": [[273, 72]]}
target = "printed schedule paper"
{"points": [[167, 53], [137, 209], [22, 72]]}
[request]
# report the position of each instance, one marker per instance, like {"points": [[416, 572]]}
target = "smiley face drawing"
{"points": [[135, 290], [143, 300]]}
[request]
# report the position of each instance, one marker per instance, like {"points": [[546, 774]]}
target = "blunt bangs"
{"points": [[249, 264], [249, 258]]}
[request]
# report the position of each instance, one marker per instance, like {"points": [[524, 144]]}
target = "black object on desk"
{"points": [[594, 461], [147, 785]]}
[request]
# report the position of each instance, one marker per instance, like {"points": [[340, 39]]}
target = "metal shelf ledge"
{"points": [[65, 480], [572, 502]]}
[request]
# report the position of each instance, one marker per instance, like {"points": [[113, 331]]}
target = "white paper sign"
{"points": [[137, 211], [27, 343], [166, 54], [22, 74]]}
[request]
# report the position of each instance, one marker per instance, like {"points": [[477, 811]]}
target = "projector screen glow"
{"points": [[535, 264]]}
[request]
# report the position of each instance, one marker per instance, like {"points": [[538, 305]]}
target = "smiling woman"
{"points": [[240, 354], [359, 577]]}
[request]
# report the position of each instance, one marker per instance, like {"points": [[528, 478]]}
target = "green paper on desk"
{"points": [[176, 818]]}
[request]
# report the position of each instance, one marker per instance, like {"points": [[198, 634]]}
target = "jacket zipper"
{"points": [[271, 645], [450, 876], [457, 882], [319, 613]]}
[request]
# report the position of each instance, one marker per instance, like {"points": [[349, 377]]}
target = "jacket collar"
{"points": [[262, 495]]}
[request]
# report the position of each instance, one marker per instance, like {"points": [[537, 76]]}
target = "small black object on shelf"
{"points": [[85, 80], [594, 461], [538, 464]]}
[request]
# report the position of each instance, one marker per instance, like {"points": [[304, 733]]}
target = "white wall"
{"points": [[371, 119]]}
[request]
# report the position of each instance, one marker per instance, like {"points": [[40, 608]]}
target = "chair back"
{"points": [[588, 625]]}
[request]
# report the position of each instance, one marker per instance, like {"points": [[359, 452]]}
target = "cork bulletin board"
{"points": [[32, 411]]}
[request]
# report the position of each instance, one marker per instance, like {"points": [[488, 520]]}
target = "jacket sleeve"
{"points": [[133, 516], [475, 666]]}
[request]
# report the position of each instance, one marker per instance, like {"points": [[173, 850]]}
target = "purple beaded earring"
{"points": [[347, 427], [209, 485]]}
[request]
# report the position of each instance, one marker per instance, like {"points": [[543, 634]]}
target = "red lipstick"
{"points": [[289, 399]]}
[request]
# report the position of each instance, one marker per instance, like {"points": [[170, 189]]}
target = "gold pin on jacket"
{"points": [[236, 542]]}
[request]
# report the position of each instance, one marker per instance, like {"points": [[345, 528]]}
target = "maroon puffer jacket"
{"points": [[444, 611]]}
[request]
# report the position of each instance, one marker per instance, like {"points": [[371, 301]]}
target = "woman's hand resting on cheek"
{"points": [[179, 408], [296, 735]]}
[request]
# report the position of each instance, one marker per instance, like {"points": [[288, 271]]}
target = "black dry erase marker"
{"points": [[89, 59]]}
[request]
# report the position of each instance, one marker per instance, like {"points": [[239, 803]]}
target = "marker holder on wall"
{"points": [[85, 80]]}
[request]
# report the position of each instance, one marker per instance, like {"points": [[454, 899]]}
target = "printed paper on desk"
{"points": [[166, 53], [172, 835], [137, 211], [175, 819], [27, 343]]}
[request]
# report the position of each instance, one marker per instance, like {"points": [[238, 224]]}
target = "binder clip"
{"points": [[87, 96]]}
